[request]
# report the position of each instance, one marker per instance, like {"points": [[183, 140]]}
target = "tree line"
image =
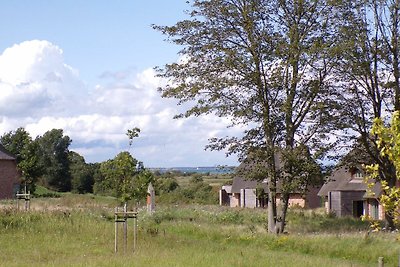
{"points": [[46, 160], [303, 78]]}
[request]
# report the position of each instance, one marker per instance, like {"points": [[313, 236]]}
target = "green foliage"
{"points": [[86, 238], [165, 185], [388, 141], [303, 169], [368, 76], [45, 193], [81, 174], [132, 133], [53, 157], [263, 64], [125, 177], [230, 217], [177, 187], [21, 145]]}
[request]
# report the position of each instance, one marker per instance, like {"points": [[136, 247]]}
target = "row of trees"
{"points": [[47, 160], [303, 78]]}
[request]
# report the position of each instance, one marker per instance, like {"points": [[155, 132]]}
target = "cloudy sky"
{"points": [[87, 67]]}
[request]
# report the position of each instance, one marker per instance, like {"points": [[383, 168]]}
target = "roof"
{"points": [[4, 154], [241, 183], [227, 188], [342, 180]]}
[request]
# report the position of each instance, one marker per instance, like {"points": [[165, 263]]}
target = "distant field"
{"points": [[78, 230], [213, 180]]}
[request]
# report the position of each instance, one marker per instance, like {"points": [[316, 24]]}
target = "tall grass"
{"points": [[182, 236]]}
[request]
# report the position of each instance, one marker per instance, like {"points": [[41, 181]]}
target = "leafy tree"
{"points": [[388, 141], [132, 133], [81, 174], [126, 177], [265, 65], [101, 185], [369, 73], [53, 155], [165, 185], [21, 145]]}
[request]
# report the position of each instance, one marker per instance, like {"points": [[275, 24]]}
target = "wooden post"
{"points": [[381, 262], [135, 230], [26, 197], [122, 217], [28, 201], [116, 230], [150, 199], [398, 264], [125, 228]]}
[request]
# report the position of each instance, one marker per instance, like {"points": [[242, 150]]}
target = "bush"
{"points": [[195, 192], [234, 217]]}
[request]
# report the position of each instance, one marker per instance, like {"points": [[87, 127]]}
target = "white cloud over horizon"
{"points": [[39, 91]]}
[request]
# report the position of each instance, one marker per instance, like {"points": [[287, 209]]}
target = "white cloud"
{"points": [[39, 91], [34, 78]]}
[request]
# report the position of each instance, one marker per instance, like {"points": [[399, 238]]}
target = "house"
{"points": [[9, 174], [252, 194], [345, 194], [246, 191]]}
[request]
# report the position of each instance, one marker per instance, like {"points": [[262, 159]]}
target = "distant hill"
{"points": [[210, 170]]}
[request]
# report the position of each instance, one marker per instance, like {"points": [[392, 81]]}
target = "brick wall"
{"points": [[9, 177]]}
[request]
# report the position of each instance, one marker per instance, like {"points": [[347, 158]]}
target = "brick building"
{"points": [[9, 175]]}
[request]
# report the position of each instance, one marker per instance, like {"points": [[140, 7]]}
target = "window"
{"points": [[358, 175], [374, 212]]}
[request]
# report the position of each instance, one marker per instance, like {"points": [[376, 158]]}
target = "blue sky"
{"points": [[87, 67]]}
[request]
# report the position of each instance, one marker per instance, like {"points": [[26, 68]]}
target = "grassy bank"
{"points": [[80, 232]]}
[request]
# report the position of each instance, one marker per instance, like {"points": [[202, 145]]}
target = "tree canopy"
{"points": [[368, 75], [53, 153], [265, 65], [21, 145], [125, 177]]}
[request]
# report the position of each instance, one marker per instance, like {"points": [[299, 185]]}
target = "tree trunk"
{"points": [[282, 217], [271, 213], [395, 52]]}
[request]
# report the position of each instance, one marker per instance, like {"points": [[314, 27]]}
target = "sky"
{"points": [[87, 67]]}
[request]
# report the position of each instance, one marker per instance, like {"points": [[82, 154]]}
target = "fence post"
{"points": [[381, 262], [135, 230], [125, 228], [116, 230], [398, 264]]}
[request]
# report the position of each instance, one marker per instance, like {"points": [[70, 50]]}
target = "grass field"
{"points": [[78, 230]]}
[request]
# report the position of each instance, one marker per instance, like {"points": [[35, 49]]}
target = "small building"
{"points": [[252, 194], [345, 194], [9, 174]]}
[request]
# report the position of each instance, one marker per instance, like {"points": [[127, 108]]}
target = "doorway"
{"points": [[358, 208]]}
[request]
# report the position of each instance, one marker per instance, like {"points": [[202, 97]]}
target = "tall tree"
{"points": [[21, 145], [53, 153], [265, 65], [125, 177], [369, 73], [82, 179]]}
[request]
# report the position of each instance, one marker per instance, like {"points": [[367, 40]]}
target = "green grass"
{"points": [[214, 180], [80, 232]]}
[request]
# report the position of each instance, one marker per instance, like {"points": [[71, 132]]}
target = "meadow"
{"points": [[78, 230]]}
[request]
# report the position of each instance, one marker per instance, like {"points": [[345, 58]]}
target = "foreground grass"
{"points": [[183, 236]]}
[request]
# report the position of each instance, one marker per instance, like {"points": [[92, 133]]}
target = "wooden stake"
{"points": [[381, 262], [125, 229], [116, 230], [135, 231]]}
